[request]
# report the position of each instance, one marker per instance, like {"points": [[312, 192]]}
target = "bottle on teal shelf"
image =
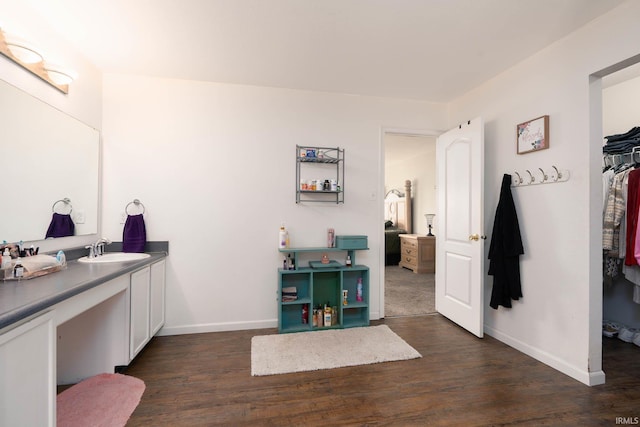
{"points": [[282, 237], [359, 290]]}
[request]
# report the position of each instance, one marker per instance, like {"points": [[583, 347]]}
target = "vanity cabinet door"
{"points": [[157, 298], [27, 374], [139, 328]]}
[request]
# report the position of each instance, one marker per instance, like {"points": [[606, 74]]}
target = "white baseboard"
{"points": [[228, 326], [585, 377], [217, 327]]}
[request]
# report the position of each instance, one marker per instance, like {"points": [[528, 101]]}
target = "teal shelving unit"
{"points": [[320, 286]]}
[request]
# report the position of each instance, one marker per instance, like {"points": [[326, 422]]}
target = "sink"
{"points": [[114, 257]]}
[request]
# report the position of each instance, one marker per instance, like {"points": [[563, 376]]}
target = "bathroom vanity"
{"points": [[61, 328]]}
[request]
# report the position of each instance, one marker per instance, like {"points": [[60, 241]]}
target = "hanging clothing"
{"points": [[613, 214], [607, 180], [505, 250], [633, 202], [621, 213]]}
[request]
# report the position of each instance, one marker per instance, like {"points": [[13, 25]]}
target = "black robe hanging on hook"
{"points": [[505, 250]]}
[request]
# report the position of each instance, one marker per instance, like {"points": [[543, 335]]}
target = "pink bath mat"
{"points": [[105, 400]]}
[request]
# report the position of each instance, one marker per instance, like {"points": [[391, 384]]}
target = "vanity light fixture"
{"points": [[60, 75], [28, 57], [22, 49]]}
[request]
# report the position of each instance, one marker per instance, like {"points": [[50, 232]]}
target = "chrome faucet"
{"points": [[96, 249]]}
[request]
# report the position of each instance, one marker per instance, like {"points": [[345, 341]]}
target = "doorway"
{"points": [[408, 156], [621, 287]]}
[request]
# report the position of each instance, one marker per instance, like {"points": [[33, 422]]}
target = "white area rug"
{"points": [[327, 349]]}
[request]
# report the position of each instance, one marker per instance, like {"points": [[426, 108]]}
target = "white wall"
{"points": [[620, 109], [414, 158], [214, 164], [558, 320], [84, 100]]}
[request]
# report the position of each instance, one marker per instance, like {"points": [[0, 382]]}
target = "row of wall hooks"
{"points": [[539, 176]]}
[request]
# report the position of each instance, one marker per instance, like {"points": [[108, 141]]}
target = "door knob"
{"points": [[476, 237]]}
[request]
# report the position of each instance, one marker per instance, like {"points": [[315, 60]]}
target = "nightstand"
{"points": [[418, 253]]}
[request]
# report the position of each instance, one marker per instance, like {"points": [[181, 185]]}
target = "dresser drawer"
{"points": [[409, 261], [409, 244], [409, 251]]}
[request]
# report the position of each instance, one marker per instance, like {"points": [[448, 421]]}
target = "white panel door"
{"points": [[460, 238]]}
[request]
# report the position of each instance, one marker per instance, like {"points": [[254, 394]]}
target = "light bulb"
{"points": [[59, 75], [22, 50]]}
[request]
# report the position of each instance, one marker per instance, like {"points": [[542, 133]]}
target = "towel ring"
{"points": [[66, 201], [136, 202]]}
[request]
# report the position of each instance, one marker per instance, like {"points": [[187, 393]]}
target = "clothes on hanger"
{"points": [[621, 212]]}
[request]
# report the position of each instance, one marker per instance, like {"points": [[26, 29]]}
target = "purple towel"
{"points": [[61, 226], [134, 235]]}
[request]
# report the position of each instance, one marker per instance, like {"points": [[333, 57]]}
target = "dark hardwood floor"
{"points": [[205, 379]]}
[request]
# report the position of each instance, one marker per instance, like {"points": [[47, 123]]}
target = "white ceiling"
{"points": [[433, 50]]}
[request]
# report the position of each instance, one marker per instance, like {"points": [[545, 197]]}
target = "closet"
{"points": [[621, 172]]}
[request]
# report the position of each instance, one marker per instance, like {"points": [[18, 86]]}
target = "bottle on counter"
{"points": [[18, 270], [348, 261], [6, 259], [331, 238]]}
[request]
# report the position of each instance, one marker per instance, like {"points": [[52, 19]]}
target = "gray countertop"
{"points": [[24, 298]]}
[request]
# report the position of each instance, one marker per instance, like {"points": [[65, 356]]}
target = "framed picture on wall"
{"points": [[533, 135]]}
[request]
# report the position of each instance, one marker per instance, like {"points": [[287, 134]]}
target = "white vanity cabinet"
{"points": [[157, 298], [27, 373], [140, 299], [147, 305], [95, 330], [108, 330]]}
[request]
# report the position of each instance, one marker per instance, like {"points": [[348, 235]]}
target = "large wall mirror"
{"points": [[46, 156]]}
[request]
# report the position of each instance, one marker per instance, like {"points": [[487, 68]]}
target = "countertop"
{"points": [[20, 299]]}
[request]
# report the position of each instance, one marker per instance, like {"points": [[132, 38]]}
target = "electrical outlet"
{"points": [[80, 217], [123, 217]]}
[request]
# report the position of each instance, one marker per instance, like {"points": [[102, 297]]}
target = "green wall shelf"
{"points": [[320, 286]]}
